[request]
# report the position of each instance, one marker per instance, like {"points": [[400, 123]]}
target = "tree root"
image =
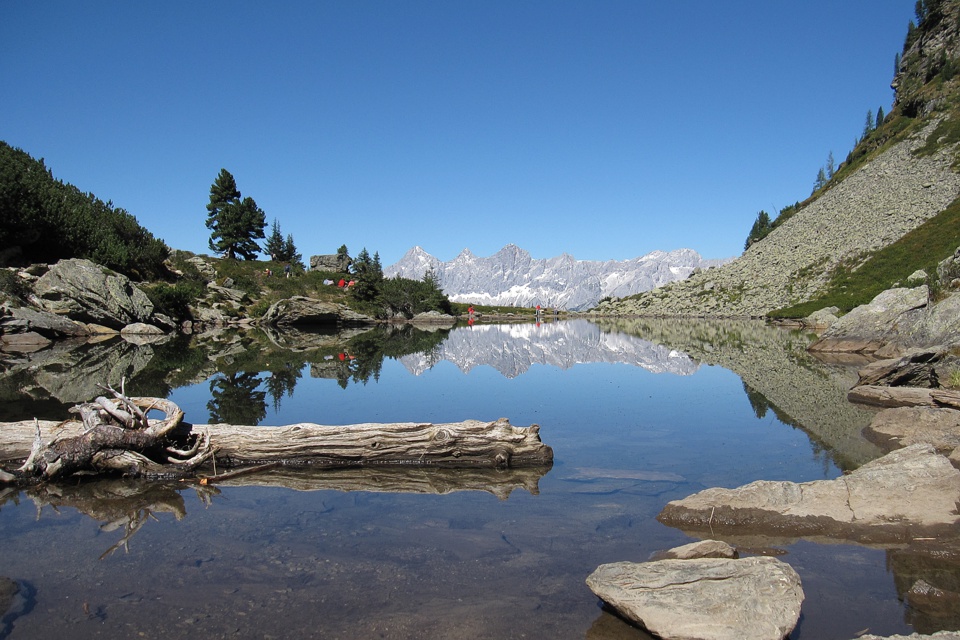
{"points": [[119, 437]]}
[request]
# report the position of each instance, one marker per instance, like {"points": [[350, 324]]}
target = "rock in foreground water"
{"points": [[755, 598]]}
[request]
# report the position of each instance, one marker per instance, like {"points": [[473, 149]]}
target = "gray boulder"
{"points": [[870, 326], [909, 492], [86, 292], [755, 598], [905, 426], [301, 310], [699, 549], [24, 320], [433, 317], [948, 271], [822, 319], [330, 262]]}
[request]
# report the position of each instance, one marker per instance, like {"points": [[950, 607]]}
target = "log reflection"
{"points": [[423, 480], [127, 505]]}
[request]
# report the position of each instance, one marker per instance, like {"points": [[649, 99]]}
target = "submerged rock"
{"points": [[755, 598], [909, 492]]}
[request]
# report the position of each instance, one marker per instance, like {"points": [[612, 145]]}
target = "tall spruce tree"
{"points": [[235, 224], [274, 245]]}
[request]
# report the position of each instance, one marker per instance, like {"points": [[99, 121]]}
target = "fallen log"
{"points": [[470, 444]]}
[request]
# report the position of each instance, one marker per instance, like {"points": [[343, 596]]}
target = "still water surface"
{"points": [[637, 415]]}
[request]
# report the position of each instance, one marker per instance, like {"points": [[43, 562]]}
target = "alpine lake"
{"points": [[638, 412]]}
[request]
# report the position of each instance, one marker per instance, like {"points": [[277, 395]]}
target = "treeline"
{"points": [[45, 220], [397, 296]]}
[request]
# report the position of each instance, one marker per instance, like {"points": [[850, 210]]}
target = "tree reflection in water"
{"points": [[237, 398]]}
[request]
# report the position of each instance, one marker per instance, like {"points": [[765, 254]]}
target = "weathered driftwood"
{"points": [[471, 443], [117, 436]]}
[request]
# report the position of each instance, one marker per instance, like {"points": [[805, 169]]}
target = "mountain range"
{"points": [[512, 277]]}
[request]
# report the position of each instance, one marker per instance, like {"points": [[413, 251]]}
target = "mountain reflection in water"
{"points": [[638, 413]]}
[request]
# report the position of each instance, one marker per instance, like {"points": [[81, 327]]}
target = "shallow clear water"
{"points": [[434, 554]]}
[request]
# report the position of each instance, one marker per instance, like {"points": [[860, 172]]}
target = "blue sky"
{"points": [[605, 128]]}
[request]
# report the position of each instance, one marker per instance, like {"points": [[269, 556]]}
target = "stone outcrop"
{"points": [[434, 318], [23, 325], [756, 598], [302, 311], [907, 493], [330, 262], [873, 207], [908, 426], [895, 321], [86, 292]]}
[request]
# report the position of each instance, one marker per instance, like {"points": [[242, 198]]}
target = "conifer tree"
{"points": [[868, 124], [290, 253], [821, 180], [274, 246], [235, 224]]}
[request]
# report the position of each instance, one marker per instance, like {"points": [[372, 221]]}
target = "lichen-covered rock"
{"points": [[301, 310], [24, 320], [755, 598], [86, 292]]}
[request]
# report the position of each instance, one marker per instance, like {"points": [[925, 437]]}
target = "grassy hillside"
{"points": [[856, 282]]}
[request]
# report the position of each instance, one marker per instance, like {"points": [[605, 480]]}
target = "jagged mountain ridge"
{"points": [[512, 277], [512, 349]]}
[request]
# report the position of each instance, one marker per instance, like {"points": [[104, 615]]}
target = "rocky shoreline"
{"points": [[76, 298]]}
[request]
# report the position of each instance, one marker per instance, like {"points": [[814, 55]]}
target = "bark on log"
{"points": [[471, 443]]}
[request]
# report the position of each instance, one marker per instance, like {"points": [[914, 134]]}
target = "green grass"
{"points": [[922, 248]]}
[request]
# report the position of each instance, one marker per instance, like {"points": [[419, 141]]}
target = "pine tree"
{"points": [[831, 166], [274, 246], [821, 180], [290, 254], [368, 276], [761, 227], [880, 117], [235, 224], [868, 124]]}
